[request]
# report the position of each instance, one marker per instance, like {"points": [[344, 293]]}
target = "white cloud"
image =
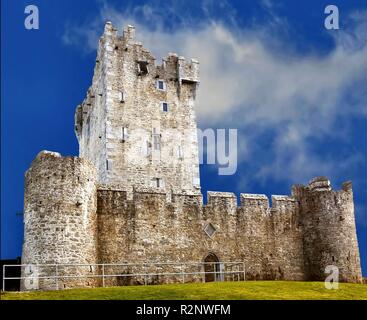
{"points": [[249, 83]]}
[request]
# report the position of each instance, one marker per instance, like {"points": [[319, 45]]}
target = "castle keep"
{"points": [[133, 194]]}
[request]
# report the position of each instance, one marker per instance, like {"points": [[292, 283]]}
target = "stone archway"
{"points": [[212, 268]]}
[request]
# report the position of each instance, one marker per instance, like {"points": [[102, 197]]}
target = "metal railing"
{"points": [[219, 271]]}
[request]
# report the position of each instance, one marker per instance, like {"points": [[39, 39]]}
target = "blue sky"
{"points": [[295, 91]]}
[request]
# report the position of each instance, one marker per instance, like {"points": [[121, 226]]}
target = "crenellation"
{"points": [[320, 184], [347, 186], [283, 203], [225, 202], [257, 200], [129, 34]]}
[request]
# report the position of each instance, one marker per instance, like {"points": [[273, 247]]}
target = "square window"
{"points": [[161, 85], [165, 106]]}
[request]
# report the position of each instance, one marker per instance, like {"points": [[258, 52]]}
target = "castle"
{"points": [[133, 194]]}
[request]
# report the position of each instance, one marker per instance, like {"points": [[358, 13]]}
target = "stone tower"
{"points": [[137, 124], [60, 218], [329, 230]]}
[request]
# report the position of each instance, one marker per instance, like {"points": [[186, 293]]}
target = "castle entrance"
{"points": [[213, 268]]}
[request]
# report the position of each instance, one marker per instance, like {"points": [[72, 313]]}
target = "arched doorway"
{"points": [[212, 268]]}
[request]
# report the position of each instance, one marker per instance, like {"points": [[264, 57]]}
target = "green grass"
{"points": [[252, 290]]}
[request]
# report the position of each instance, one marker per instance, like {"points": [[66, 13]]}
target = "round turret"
{"points": [[59, 220], [329, 230]]}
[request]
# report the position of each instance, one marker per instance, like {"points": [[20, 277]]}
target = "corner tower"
{"points": [[329, 230], [137, 123]]}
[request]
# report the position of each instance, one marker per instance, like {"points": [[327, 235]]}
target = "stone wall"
{"points": [[278, 242], [68, 220]]}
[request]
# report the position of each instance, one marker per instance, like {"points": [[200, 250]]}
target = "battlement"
{"points": [[54, 167], [173, 66], [320, 184], [47, 163], [251, 200]]}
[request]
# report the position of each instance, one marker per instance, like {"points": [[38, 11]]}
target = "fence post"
{"points": [[4, 277], [183, 275], [203, 272], [145, 274], [244, 271], [57, 276], [103, 281]]}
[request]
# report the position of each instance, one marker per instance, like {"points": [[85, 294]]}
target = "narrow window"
{"points": [[179, 152], [165, 106], [121, 96], [108, 164], [161, 85], [158, 182], [124, 134]]}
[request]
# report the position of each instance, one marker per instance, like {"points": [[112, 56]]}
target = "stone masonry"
{"points": [[133, 195]]}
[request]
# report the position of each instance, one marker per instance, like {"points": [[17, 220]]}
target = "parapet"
{"points": [[283, 203], [109, 29], [317, 185], [174, 67], [227, 198], [46, 153], [188, 71], [320, 184], [56, 157], [212, 194], [129, 33], [347, 186], [252, 199], [144, 189], [53, 171]]}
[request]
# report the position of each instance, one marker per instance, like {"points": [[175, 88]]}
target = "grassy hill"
{"points": [[251, 290]]}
